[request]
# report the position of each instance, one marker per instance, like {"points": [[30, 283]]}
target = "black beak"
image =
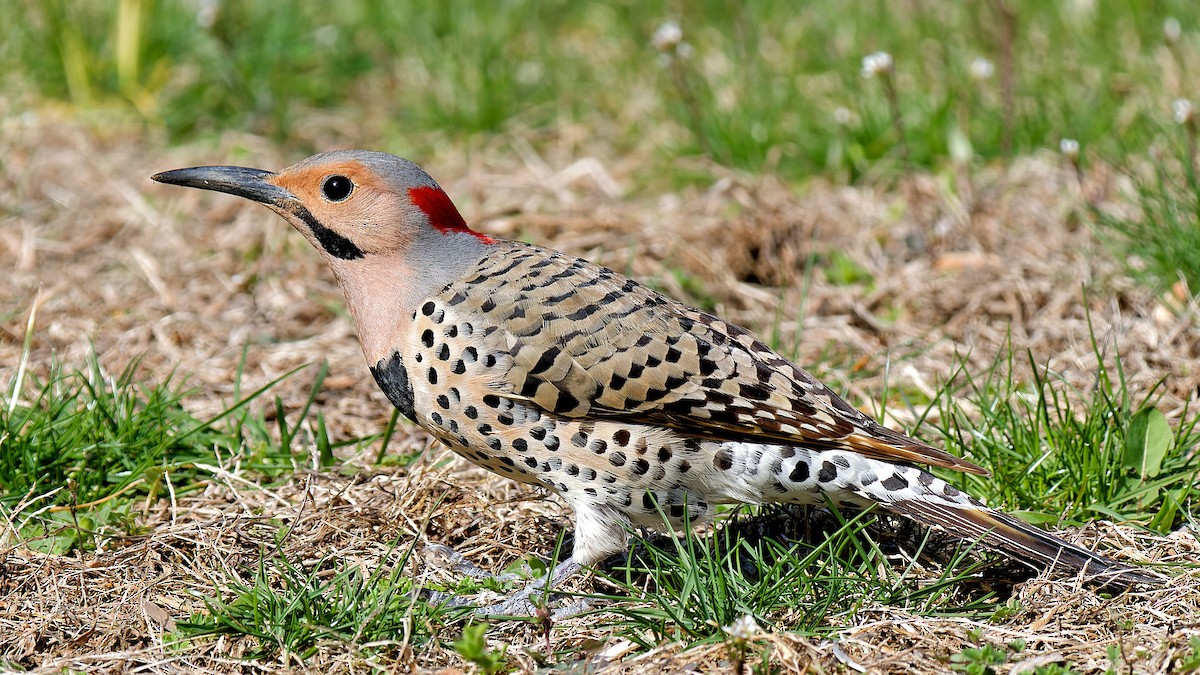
{"points": [[235, 180]]}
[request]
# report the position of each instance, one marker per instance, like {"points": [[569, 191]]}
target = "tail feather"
{"points": [[1022, 541], [800, 475]]}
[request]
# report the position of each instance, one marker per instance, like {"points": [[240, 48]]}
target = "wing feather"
{"points": [[580, 340]]}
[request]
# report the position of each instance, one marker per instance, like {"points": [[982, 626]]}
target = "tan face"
{"points": [[351, 201]]}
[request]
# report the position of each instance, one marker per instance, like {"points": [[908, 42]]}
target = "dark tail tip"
{"points": [[1027, 544]]}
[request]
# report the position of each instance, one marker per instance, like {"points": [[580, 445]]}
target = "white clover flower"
{"points": [[1172, 31], [206, 13], [744, 628], [876, 65], [842, 116], [981, 69], [1184, 112], [667, 37], [326, 36], [1069, 148]]}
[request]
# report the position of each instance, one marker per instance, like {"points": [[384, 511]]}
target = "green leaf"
{"points": [[842, 270], [324, 447], [472, 646], [1147, 442]]}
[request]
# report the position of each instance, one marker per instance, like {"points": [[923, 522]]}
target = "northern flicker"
{"points": [[553, 371]]}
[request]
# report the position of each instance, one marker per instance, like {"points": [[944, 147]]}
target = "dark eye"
{"points": [[337, 188]]}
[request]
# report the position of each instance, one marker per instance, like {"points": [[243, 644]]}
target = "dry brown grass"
{"points": [[186, 279]]}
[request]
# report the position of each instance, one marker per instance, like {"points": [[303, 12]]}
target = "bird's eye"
{"points": [[337, 188]]}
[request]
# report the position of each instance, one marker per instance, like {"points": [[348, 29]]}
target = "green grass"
{"points": [[693, 588], [84, 450], [760, 89], [1159, 243], [294, 609], [1057, 454]]}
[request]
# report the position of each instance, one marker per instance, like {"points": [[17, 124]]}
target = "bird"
{"points": [[636, 409]]}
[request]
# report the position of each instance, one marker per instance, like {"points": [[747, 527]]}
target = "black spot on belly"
{"points": [[648, 501], [801, 473], [895, 482], [723, 460], [392, 378], [827, 473]]}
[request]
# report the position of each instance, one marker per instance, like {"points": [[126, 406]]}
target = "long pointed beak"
{"points": [[235, 180]]}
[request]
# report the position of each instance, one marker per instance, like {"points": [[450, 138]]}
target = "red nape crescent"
{"points": [[442, 213]]}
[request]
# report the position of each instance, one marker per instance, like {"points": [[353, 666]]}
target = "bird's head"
{"points": [[387, 229], [350, 204]]}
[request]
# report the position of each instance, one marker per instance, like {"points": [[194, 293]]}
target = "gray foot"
{"points": [[532, 600]]}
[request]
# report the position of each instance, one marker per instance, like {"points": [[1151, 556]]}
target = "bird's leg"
{"points": [[536, 594], [445, 557], [458, 563], [524, 602]]}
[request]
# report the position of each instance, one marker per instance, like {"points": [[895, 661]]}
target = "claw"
{"points": [[444, 556], [528, 601], [537, 595]]}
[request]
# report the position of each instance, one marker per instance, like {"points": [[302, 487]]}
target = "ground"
{"points": [[191, 283]]}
